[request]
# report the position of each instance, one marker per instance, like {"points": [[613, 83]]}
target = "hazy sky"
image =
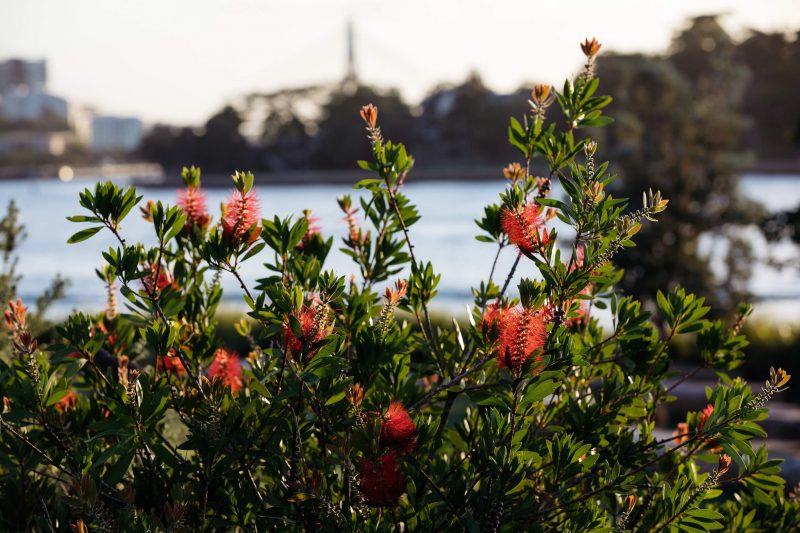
{"points": [[180, 60]]}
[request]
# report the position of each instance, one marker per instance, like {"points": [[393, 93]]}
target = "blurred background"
{"points": [[705, 100]]}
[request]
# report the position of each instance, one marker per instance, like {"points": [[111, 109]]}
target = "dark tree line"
{"points": [[313, 129]]}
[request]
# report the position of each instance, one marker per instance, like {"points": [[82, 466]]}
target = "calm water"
{"points": [[444, 235]]}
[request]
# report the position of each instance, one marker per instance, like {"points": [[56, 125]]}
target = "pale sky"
{"points": [[180, 60]]}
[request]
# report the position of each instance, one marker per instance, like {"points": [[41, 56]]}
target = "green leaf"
{"points": [[84, 234]]}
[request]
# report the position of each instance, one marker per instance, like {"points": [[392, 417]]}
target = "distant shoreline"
{"points": [[150, 175]]}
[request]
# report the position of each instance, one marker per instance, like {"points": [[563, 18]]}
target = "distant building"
{"points": [[115, 134], [23, 105], [80, 121], [33, 121], [52, 143], [18, 73], [23, 97]]}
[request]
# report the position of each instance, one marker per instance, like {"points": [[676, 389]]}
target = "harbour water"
{"points": [[445, 236]]}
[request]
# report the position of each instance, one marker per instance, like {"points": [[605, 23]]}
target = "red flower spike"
{"points": [[705, 414], [67, 403], [171, 363], [353, 228], [576, 263], [313, 229], [380, 481], [164, 280], [227, 367], [493, 314], [397, 429], [523, 228], [521, 333], [241, 213], [312, 331], [193, 202]]}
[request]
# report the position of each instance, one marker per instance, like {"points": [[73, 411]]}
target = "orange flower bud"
{"points": [[79, 527], [779, 377], [369, 113], [147, 210], [513, 172], [682, 433], [540, 93], [630, 501], [15, 315], [393, 295], [724, 463], [590, 48], [354, 395]]}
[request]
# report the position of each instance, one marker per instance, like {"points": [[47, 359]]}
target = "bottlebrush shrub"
{"points": [[531, 417]]}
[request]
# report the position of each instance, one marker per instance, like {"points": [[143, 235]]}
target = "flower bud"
{"points": [[147, 210], [590, 48], [513, 172], [540, 95], [724, 463], [354, 395], [779, 377], [630, 501], [369, 113]]}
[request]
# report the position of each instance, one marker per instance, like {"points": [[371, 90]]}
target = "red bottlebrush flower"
{"points": [[171, 363], [68, 402], [353, 229], [576, 263], [314, 327], [493, 314], [193, 202], [313, 229], [241, 213], [705, 414], [380, 481], [158, 279], [227, 367], [15, 315], [521, 333], [523, 228], [397, 429], [111, 338]]}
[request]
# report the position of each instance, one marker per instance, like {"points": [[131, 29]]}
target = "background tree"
{"points": [[680, 129], [465, 122], [333, 143], [219, 146], [771, 99]]}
